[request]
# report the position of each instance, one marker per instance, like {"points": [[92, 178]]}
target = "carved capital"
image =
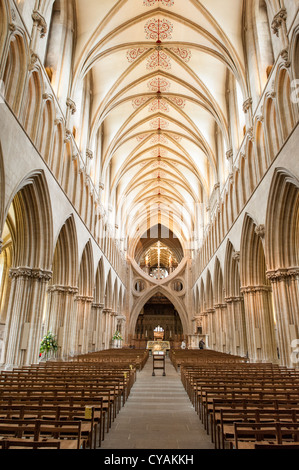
{"points": [[47, 96], [89, 154], [97, 306], [247, 105], [278, 20], [220, 306], [71, 105], [29, 273], [229, 154], [67, 136], [260, 231], [236, 256], [286, 57], [233, 298], [84, 299], [33, 60], [255, 289], [283, 274], [63, 289], [40, 21]]}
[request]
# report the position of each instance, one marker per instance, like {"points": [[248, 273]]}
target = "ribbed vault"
{"points": [[158, 74]]}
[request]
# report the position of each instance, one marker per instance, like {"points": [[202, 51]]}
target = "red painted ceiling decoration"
{"points": [[158, 30], [159, 105], [158, 59], [178, 101], [140, 101], [159, 123], [159, 84], [134, 53], [182, 52]]}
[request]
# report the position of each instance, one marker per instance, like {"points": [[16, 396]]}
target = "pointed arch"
{"points": [[100, 283], [65, 260], [108, 291], [15, 70], [180, 308], [282, 221], [32, 103], [284, 103], [218, 283], [34, 222], [252, 258], [86, 275]]}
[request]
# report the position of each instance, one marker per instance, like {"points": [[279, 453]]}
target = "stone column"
{"points": [[259, 324], [247, 109], [235, 311], [98, 330], [211, 328], [113, 323], [83, 320], [107, 328], [122, 319], [23, 332], [60, 316], [219, 322], [39, 30], [285, 286]]}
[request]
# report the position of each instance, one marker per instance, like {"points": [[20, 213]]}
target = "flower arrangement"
{"points": [[48, 344], [117, 335]]}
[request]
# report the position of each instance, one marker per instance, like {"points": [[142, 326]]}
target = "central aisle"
{"points": [[157, 415]]}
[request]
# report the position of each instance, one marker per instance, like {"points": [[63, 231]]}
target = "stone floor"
{"points": [[157, 415]]}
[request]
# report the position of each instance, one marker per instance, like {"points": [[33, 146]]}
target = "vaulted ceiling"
{"points": [[158, 70]]}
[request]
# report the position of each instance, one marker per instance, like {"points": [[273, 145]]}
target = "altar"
{"points": [[155, 346]]}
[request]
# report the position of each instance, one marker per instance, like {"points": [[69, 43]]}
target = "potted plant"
{"points": [[48, 345], [117, 340]]}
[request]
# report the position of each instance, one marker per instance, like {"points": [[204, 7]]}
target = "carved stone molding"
{"points": [[255, 289], [67, 136], [283, 274], [1, 245], [286, 57], [71, 105], [247, 105], [30, 273], [219, 306], [47, 96], [89, 154], [63, 289], [278, 20], [232, 299], [97, 306], [229, 154], [84, 298], [260, 231], [236, 256], [33, 60], [210, 310], [40, 21]]}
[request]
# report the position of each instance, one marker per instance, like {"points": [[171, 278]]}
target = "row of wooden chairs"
{"points": [[65, 404], [241, 404]]}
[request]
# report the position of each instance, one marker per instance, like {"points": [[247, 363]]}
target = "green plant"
{"points": [[48, 344], [117, 335]]}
